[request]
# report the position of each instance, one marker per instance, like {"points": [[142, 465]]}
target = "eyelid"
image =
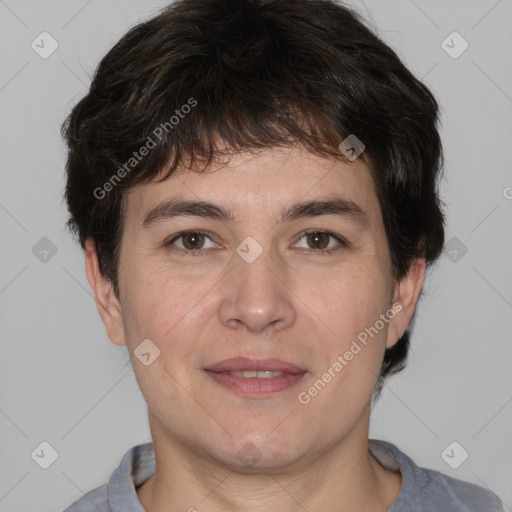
{"points": [[342, 241], [169, 242]]}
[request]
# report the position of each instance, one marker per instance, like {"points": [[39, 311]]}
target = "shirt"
{"points": [[423, 490]]}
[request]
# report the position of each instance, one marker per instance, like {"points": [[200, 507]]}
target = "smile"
{"points": [[255, 377], [264, 374]]}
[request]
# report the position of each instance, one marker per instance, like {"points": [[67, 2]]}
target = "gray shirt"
{"points": [[423, 490]]}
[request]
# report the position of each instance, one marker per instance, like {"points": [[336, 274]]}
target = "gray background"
{"points": [[62, 381]]}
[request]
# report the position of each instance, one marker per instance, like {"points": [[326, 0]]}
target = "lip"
{"points": [[237, 364], [253, 386]]}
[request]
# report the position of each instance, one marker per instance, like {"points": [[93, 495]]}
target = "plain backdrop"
{"points": [[62, 382]]}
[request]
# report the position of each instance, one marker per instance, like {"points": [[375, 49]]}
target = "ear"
{"points": [[405, 297], [106, 301]]}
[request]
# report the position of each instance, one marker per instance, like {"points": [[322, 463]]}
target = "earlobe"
{"points": [[405, 299], [107, 303]]}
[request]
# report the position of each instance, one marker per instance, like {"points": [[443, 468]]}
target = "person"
{"points": [[255, 187]]}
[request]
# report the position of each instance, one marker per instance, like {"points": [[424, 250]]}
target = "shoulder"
{"points": [[94, 501], [457, 495], [119, 494], [428, 490]]}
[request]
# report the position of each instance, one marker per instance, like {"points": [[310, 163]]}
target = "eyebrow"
{"points": [[178, 207]]}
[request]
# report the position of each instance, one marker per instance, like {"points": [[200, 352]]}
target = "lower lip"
{"points": [[255, 386]]}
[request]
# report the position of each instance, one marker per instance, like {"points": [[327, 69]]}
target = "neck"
{"points": [[346, 477]]}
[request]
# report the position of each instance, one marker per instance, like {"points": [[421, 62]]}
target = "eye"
{"points": [[191, 242], [322, 241]]}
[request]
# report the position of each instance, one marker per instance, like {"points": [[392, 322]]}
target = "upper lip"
{"points": [[244, 363]]}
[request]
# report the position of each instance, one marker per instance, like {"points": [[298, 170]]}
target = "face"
{"points": [[287, 266]]}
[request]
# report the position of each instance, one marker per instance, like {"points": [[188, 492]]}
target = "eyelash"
{"points": [[184, 252], [324, 252]]}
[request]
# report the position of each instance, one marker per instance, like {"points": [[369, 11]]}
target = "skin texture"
{"points": [[291, 303]]}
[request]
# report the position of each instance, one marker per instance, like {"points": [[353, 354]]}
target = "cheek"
{"points": [[160, 304], [162, 309], [172, 311], [347, 299], [149, 310], [349, 302]]}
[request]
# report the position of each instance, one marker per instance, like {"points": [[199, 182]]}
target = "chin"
{"points": [[255, 453]]}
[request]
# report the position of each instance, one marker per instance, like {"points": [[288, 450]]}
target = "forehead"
{"points": [[269, 178]]}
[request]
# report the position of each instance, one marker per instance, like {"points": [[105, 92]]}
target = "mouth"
{"points": [[251, 377]]}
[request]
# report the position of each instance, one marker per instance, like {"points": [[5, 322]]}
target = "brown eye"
{"points": [[193, 241], [318, 240], [321, 242]]}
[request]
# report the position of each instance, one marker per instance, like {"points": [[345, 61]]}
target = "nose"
{"points": [[257, 296]]}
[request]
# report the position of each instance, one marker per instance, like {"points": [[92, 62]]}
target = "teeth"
{"points": [[265, 374]]}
